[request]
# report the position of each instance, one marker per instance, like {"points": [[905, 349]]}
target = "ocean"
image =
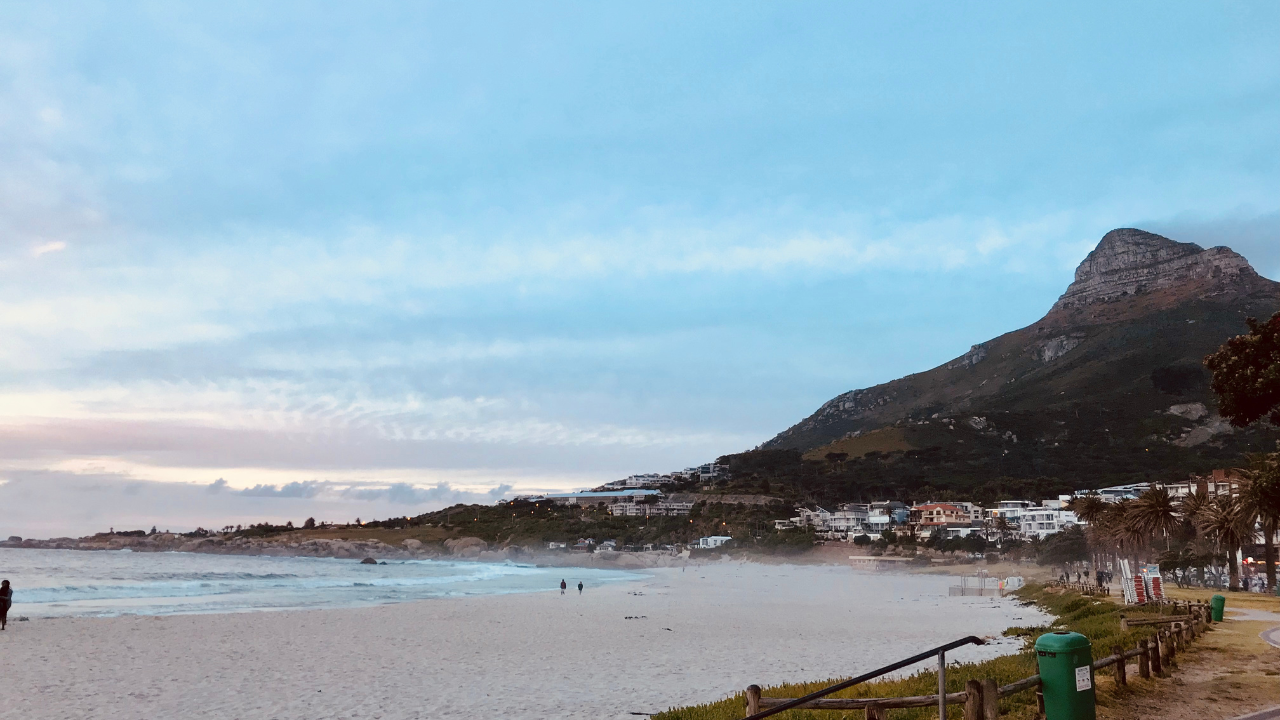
{"points": [[63, 583]]}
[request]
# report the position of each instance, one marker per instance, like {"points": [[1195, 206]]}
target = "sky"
{"points": [[260, 262]]}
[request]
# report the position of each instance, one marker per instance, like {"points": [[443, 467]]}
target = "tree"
{"points": [[1262, 496], [1246, 374], [1064, 548], [1227, 521], [1155, 513], [310, 524], [1087, 507], [1003, 527]]}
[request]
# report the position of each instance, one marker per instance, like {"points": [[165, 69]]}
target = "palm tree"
{"points": [[1262, 495], [1155, 513], [1087, 507], [1227, 521], [1090, 509], [1003, 527]]}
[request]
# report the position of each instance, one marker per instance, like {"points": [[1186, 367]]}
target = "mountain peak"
{"points": [[1129, 262]]}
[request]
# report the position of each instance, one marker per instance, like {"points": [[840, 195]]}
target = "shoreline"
{"points": [[475, 550], [673, 638]]}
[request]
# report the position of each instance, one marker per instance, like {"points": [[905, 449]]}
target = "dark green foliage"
{"points": [[533, 523], [1246, 374], [1179, 379]]}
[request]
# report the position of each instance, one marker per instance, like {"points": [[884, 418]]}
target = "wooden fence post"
{"points": [[990, 700], [973, 700], [1124, 623], [1153, 650], [1171, 654], [753, 700], [1040, 704], [875, 712], [1121, 680], [1144, 661]]}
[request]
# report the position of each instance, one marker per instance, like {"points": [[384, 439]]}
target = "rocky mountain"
{"points": [[1110, 377]]}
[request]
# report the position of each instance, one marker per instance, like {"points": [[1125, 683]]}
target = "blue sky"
{"points": [[368, 259]]}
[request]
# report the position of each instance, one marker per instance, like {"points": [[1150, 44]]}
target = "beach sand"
{"points": [[696, 636]]}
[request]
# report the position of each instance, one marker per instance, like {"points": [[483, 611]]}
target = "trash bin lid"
{"points": [[1219, 598], [1056, 642]]}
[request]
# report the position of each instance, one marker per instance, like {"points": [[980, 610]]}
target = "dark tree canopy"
{"points": [[1246, 374], [1065, 547]]}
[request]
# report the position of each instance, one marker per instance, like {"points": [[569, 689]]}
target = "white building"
{"points": [[976, 512], [658, 509], [879, 520], [850, 519], [714, 541], [1044, 521], [600, 498], [1011, 510]]}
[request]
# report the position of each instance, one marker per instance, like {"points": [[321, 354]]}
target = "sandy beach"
{"points": [[694, 636]]}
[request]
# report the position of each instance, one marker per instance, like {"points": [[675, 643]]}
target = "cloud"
{"points": [[41, 503], [407, 494], [307, 489], [49, 247]]}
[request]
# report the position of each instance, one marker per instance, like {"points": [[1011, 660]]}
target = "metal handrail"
{"points": [[940, 651]]}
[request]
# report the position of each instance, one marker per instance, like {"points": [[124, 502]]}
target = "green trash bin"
{"points": [[1216, 605], [1066, 676]]}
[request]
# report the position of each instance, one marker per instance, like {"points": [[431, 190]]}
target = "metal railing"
{"points": [[940, 651]]}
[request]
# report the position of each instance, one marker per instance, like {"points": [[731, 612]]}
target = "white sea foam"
{"points": [[53, 583]]}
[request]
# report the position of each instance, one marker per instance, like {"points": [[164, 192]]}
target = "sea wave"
{"points": [[68, 582]]}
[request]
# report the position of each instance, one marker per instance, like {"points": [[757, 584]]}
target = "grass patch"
{"points": [[1096, 619]]}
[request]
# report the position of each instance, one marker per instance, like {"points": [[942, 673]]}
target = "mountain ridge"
{"points": [[1127, 336]]}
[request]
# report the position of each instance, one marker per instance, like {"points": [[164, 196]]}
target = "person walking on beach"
{"points": [[579, 587], [6, 599], [563, 586]]}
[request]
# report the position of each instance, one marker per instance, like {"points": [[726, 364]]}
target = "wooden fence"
{"points": [[1083, 588], [1155, 656]]}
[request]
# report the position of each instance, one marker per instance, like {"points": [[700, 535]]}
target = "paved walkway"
{"points": [[1268, 714], [1272, 636]]}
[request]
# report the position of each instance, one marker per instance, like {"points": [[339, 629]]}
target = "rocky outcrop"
{"points": [[1189, 411], [1054, 348], [1131, 262], [976, 354], [466, 547]]}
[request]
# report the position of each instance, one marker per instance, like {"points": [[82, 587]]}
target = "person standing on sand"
{"points": [[6, 599], [563, 586], [579, 587]]}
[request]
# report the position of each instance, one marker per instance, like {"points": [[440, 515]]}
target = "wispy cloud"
{"points": [[48, 247]]}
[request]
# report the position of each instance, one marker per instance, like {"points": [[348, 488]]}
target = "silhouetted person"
{"points": [[6, 599], [563, 586], [579, 587]]}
